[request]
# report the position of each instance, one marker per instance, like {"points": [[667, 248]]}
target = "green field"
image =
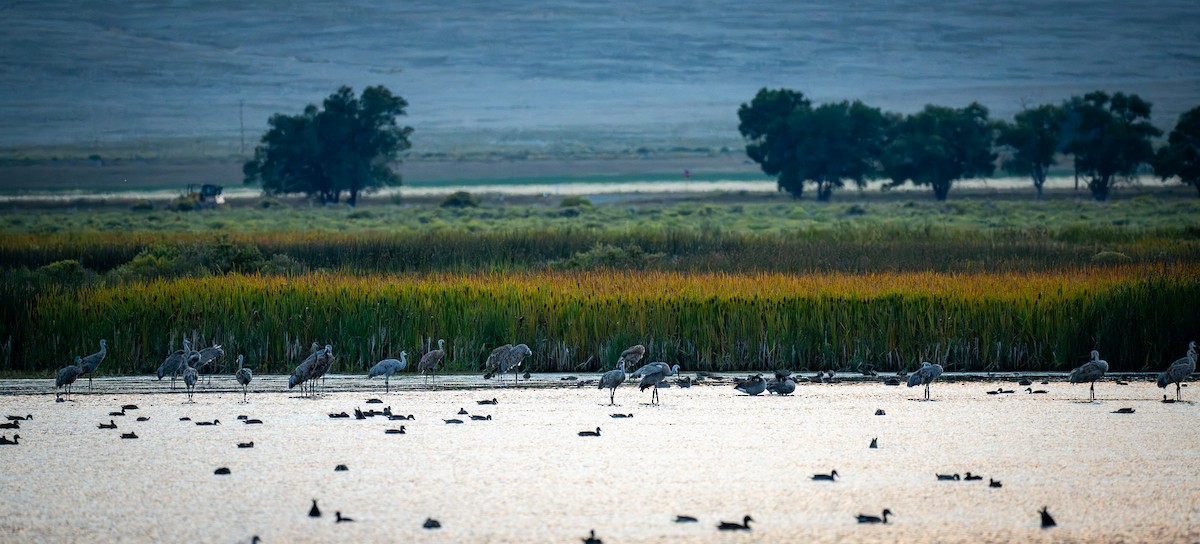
{"points": [[979, 283]]}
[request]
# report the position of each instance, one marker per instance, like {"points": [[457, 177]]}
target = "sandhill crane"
{"points": [[323, 360], [925, 376], [243, 376], [1179, 371], [173, 364], [632, 355], [92, 362], [753, 385], [67, 376], [387, 367], [734, 526], [513, 361], [1090, 372], [873, 519], [611, 379], [304, 371], [652, 375], [430, 361], [209, 355], [189, 374], [493, 360]]}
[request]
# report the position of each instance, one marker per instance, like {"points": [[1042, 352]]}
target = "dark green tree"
{"points": [[766, 125], [1181, 156], [939, 145], [1033, 138], [347, 146], [825, 145], [1109, 137]]}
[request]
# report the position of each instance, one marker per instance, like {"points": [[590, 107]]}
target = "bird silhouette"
{"points": [[1047, 521], [826, 477], [873, 519], [733, 526], [314, 512]]}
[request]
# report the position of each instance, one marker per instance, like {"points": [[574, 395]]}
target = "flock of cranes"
{"points": [[508, 358]]}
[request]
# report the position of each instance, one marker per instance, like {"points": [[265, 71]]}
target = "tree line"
{"points": [[350, 144], [1108, 137]]}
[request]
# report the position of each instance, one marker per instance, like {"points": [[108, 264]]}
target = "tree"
{"points": [[1034, 137], [1109, 137], [1181, 156], [765, 124], [347, 146], [939, 145], [826, 145]]}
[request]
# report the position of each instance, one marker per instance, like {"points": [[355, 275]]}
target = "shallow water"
{"points": [[526, 477]]}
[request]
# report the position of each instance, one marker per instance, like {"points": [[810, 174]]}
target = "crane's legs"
{"points": [[90, 384], [1177, 397], [386, 388], [612, 394], [1092, 389]]}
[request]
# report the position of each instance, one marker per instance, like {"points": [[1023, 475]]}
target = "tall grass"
{"points": [[850, 249], [1138, 316]]}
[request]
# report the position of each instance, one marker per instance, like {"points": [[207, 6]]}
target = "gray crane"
{"points": [[189, 373], [1090, 372], [925, 375], [611, 380], [307, 371], [304, 371], [92, 362], [209, 356], [324, 360], [1180, 370], [430, 361], [387, 367], [173, 364], [652, 375], [493, 360], [243, 376], [513, 360], [67, 376], [632, 355], [754, 385]]}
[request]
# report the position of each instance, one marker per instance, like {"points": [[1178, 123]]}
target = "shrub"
{"points": [[575, 201], [67, 273], [142, 206], [183, 204], [460, 199]]}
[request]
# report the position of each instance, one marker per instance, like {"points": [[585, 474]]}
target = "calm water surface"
{"points": [[526, 477]]}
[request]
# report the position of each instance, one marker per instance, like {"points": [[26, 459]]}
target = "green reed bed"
{"points": [[1139, 317]]}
